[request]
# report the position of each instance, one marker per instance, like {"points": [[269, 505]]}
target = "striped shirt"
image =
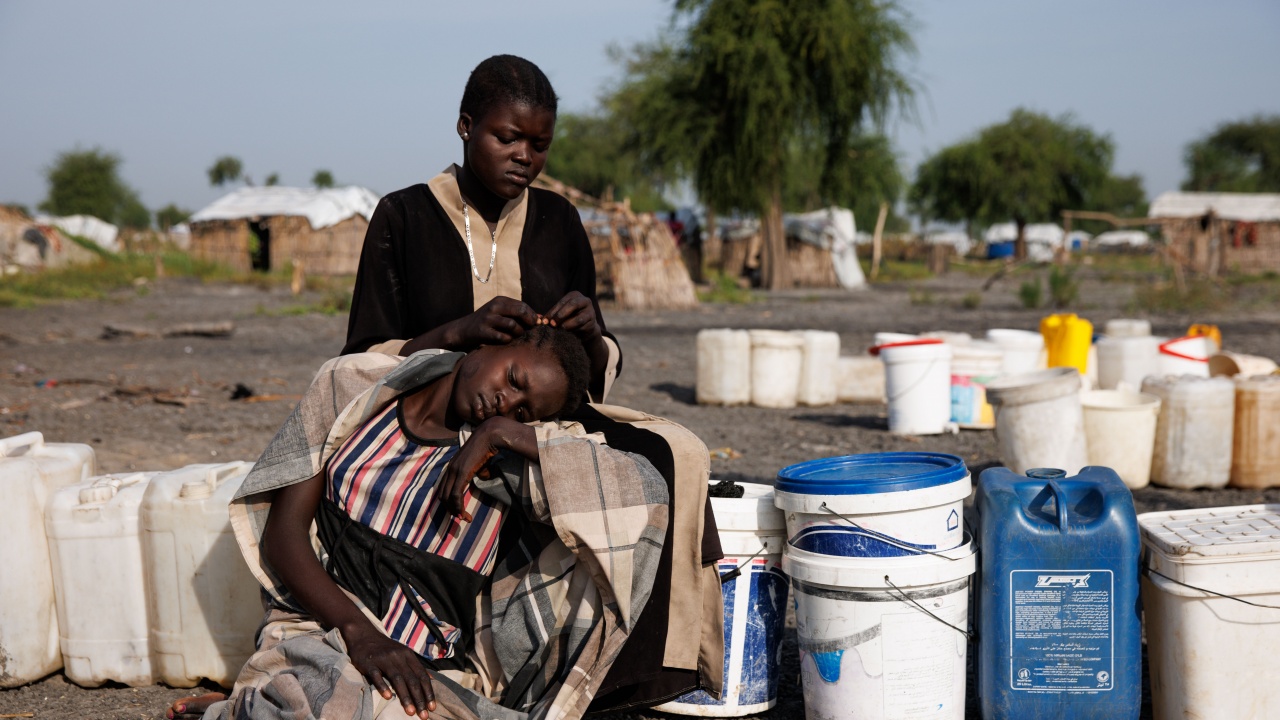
{"points": [[384, 477]]}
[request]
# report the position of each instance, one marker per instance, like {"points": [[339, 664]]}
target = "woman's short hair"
{"points": [[568, 351], [506, 79]]}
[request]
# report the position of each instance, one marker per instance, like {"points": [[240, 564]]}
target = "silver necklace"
{"points": [[493, 252]]}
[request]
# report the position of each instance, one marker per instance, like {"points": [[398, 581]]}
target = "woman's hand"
{"points": [[494, 435], [497, 322], [576, 313], [391, 668]]}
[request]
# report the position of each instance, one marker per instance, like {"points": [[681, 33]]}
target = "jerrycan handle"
{"points": [[33, 440], [1059, 495], [206, 486]]}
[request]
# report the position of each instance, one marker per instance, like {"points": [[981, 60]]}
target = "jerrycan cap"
{"points": [[1046, 473]]}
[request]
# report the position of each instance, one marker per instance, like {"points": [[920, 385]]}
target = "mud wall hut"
{"points": [[263, 228], [1212, 233]]}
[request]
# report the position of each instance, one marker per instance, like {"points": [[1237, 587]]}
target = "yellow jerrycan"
{"points": [[1067, 339], [1210, 331]]}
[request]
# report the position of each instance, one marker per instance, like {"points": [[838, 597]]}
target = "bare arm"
{"points": [[386, 664]]}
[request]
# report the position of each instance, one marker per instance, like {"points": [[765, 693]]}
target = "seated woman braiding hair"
{"points": [[476, 255], [423, 590]]}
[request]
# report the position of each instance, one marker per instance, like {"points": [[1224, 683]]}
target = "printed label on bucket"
{"points": [[1062, 629], [969, 404]]}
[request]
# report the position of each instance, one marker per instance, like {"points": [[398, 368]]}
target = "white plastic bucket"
{"points": [[882, 638], [1127, 327], [206, 605], [1195, 432], [1186, 356], [1209, 654], [1022, 349], [973, 366], [723, 367], [1123, 362], [752, 535], [31, 470], [876, 504], [1039, 420], [95, 540], [1120, 427], [917, 378], [776, 358], [888, 338], [860, 379], [821, 351]]}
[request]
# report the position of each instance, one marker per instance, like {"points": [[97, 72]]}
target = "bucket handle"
{"points": [[968, 635], [1152, 571], [874, 350], [886, 538], [734, 573]]}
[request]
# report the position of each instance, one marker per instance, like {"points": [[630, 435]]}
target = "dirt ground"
{"points": [[158, 403]]}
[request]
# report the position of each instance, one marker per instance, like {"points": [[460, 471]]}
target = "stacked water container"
{"points": [[31, 471], [880, 566], [752, 534]]}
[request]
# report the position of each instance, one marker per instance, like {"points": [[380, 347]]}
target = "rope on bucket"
{"points": [[886, 539], [970, 636], [1153, 571]]}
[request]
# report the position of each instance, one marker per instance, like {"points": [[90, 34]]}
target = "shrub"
{"points": [[1063, 286], [1031, 293]]}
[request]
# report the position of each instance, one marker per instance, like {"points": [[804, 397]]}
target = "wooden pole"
{"points": [[875, 240]]}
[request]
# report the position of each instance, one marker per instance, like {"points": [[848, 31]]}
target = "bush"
{"points": [[971, 301], [724, 288], [1063, 286], [1031, 293]]}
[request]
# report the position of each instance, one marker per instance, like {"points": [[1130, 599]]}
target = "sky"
{"points": [[370, 90]]}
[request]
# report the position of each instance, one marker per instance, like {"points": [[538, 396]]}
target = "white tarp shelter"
{"points": [[1042, 238], [834, 230], [321, 207], [1123, 238], [1243, 207], [102, 233], [955, 238]]}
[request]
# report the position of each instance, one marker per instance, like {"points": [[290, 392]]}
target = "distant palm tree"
{"points": [[225, 169]]}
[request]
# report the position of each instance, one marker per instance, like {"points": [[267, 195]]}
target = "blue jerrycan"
{"points": [[1058, 615]]}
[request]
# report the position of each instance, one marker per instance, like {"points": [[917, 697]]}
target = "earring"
{"points": [[466, 136]]}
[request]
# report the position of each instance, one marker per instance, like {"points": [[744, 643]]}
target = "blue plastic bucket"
{"points": [[875, 505], [1000, 250]]}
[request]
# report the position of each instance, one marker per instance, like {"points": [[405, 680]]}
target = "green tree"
{"points": [[740, 85], [272, 180], [170, 215], [1240, 156], [589, 154], [1029, 169], [871, 176], [87, 182], [226, 169], [322, 179]]}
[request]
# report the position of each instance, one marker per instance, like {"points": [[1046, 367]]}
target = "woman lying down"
{"points": [[424, 591]]}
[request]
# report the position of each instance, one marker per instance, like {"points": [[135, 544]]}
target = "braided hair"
{"points": [[506, 79], [569, 353]]}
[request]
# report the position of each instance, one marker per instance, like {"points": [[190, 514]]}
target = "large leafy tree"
{"points": [[1029, 169], [170, 215], [741, 85], [87, 182], [871, 177], [589, 153], [322, 179], [1240, 156]]}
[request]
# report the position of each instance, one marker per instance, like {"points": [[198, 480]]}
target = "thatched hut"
{"points": [[262, 228], [638, 263], [1212, 233]]}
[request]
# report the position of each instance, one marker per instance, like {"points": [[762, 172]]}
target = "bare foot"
{"points": [[189, 708]]}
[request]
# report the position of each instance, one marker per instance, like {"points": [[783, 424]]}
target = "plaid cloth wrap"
{"points": [[557, 611]]}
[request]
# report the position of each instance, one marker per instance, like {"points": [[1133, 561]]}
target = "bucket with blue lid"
{"points": [[891, 504]]}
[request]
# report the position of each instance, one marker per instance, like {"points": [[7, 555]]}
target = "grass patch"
{"points": [[1199, 296], [921, 297], [1031, 293], [724, 288], [971, 301], [112, 272], [899, 271], [1063, 286], [335, 301]]}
